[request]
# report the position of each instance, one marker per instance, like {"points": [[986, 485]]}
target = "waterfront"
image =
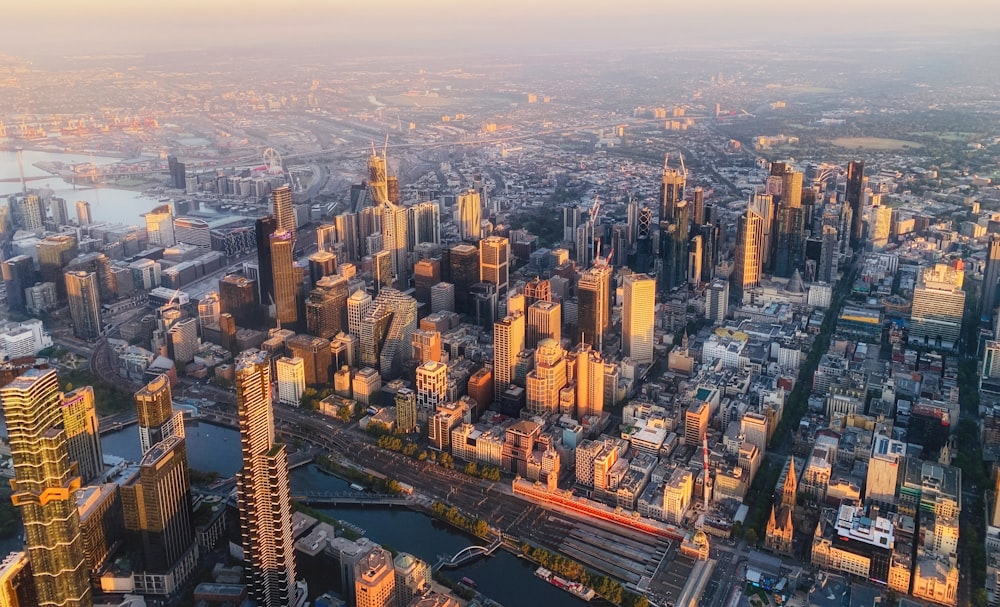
{"points": [[502, 577], [106, 204]]}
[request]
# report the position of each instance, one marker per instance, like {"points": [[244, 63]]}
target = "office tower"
{"points": [[178, 173], [84, 304], [494, 262], [397, 347], [83, 441], [348, 235], [881, 225], [183, 340], [543, 384], [413, 579], [696, 422], [426, 274], [828, 256], [394, 224], [431, 386], [938, 304], [586, 371], [321, 264], [425, 223], [291, 374], [156, 502], [470, 215], [326, 309], [282, 210], [18, 275], [60, 215], [227, 333], [537, 289], [854, 195], [28, 213], [426, 346], [285, 279], [443, 297], [991, 276], [887, 461], [717, 301], [698, 206], [593, 292], [99, 264], [238, 297], [375, 580], [382, 271], [544, 322], [464, 265], [638, 310], [264, 228], [83, 215], [674, 247], [485, 304], [572, 219], [316, 356], [262, 488], [157, 419], [359, 304], [508, 341], [695, 258], [747, 257], [209, 309], [44, 488], [326, 236], [54, 253]]}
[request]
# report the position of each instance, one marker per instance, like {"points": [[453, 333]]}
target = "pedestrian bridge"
{"points": [[350, 498], [467, 555]]}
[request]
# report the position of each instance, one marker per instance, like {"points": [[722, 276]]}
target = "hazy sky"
{"points": [[88, 26]]}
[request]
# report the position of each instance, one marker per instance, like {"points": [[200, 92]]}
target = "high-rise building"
{"points": [[84, 304], [262, 488], [375, 580], [671, 193], [788, 239], [413, 578], [326, 237], [991, 276], [316, 356], [698, 206], [183, 343], [881, 226], [263, 229], [828, 255], [593, 292], [508, 341], [426, 346], [749, 248], [426, 274], [282, 209], [291, 374], [885, 468], [443, 297], [717, 300], [386, 331], [406, 410], [157, 419], [470, 215], [543, 384], [431, 387], [637, 318], [238, 297], [359, 304], [938, 305], [17, 588], [28, 213], [83, 216], [425, 223], [18, 275], [160, 226], [696, 422], [326, 307], [60, 214], [674, 247], [544, 322], [494, 262], [286, 279], [321, 264], [82, 437], [54, 254], [209, 309], [45, 488], [586, 371], [464, 267], [156, 502], [854, 196]]}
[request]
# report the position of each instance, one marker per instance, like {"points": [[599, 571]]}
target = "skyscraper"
{"points": [[788, 241], [54, 252], [586, 370], [674, 247], [264, 228], [209, 309], [543, 384], [18, 275], [431, 387], [671, 193], [394, 224], [238, 295], [160, 226], [28, 213], [60, 215], [425, 223], [470, 215], [262, 488], [291, 374], [854, 196], [637, 318], [45, 489], [544, 322], [285, 279], [464, 270], [494, 261], [83, 441], [829, 253], [938, 306], [593, 292], [282, 209], [991, 276], [155, 409], [83, 215], [508, 341], [84, 304], [749, 247]]}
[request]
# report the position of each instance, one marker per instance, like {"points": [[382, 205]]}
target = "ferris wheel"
{"points": [[272, 160]]}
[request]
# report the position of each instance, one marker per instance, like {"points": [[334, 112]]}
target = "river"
{"points": [[106, 204], [503, 577]]}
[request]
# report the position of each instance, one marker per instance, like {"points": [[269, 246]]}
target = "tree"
{"points": [[751, 536], [980, 597]]}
